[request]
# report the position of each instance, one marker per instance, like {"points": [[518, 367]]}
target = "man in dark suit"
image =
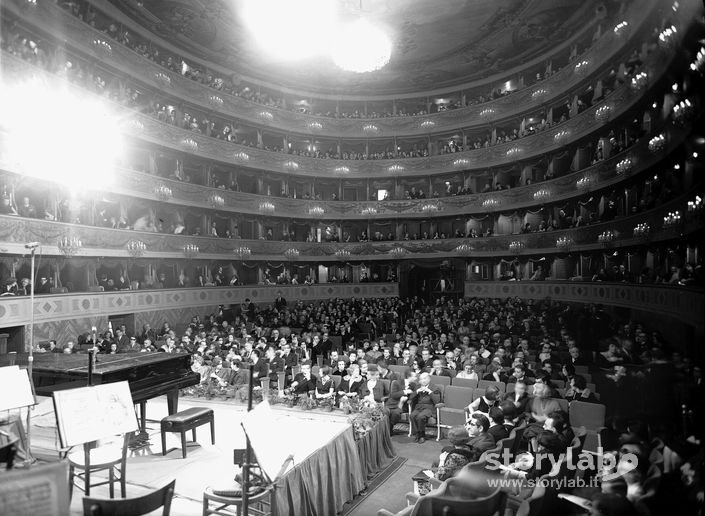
{"points": [[290, 360], [279, 302], [480, 439], [438, 369], [275, 364], [423, 401], [497, 429], [520, 397], [259, 366], [406, 359], [384, 372], [399, 394], [304, 382], [122, 341]]}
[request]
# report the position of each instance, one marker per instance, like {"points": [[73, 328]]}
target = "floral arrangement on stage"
{"points": [[327, 404], [370, 413], [306, 402]]}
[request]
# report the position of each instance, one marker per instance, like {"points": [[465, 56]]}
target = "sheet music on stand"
{"points": [[16, 388], [88, 414], [37, 490], [273, 455]]}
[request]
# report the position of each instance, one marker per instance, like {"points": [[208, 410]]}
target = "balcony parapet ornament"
{"points": [[266, 207], [215, 101], [491, 204], [69, 245], [695, 207], [673, 218], [103, 47], [163, 192], [581, 68], [542, 195], [216, 200], [639, 81], [641, 230], [564, 243], [398, 251], [162, 78], [242, 252], [602, 114], [136, 248], [657, 143], [516, 246], [342, 254], [190, 144], [606, 237], [621, 29], [683, 112], [292, 254], [667, 37], [191, 250], [464, 249], [624, 166], [584, 182]]}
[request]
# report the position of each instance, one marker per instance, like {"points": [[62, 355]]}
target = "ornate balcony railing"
{"points": [[684, 304], [602, 174], [81, 36], [15, 231], [95, 307], [580, 126]]}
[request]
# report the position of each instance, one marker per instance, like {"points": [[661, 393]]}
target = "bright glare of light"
{"points": [[291, 30], [54, 134], [361, 47]]}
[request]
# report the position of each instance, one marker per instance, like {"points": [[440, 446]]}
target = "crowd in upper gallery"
{"points": [[171, 112], [190, 70]]}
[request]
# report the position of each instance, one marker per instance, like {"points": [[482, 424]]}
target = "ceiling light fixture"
{"points": [[361, 47]]}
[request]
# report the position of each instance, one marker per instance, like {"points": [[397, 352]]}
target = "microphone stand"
{"points": [[30, 359], [248, 450]]}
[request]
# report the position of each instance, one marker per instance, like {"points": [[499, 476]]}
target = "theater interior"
{"points": [[352, 257]]}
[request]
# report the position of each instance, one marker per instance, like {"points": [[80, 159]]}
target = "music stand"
{"points": [[17, 393]]}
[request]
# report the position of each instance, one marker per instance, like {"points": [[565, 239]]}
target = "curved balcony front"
{"points": [[683, 304], [120, 58], [599, 176], [96, 242]]}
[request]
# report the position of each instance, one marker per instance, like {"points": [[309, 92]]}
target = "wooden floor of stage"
{"points": [[208, 464]]}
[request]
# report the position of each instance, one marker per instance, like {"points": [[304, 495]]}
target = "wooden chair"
{"points": [[97, 456], [161, 498], [464, 382], [336, 380]]}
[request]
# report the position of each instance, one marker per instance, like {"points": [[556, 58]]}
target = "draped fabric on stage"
{"points": [[334, 474], [376, 450]]}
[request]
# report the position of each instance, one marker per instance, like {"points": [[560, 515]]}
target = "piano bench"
{"points": [[184, 421]]}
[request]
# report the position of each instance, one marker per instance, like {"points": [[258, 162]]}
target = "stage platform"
{"points": [[329, 466]]}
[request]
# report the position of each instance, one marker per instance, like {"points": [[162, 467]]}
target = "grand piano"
{"points": [[148, 374]]}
